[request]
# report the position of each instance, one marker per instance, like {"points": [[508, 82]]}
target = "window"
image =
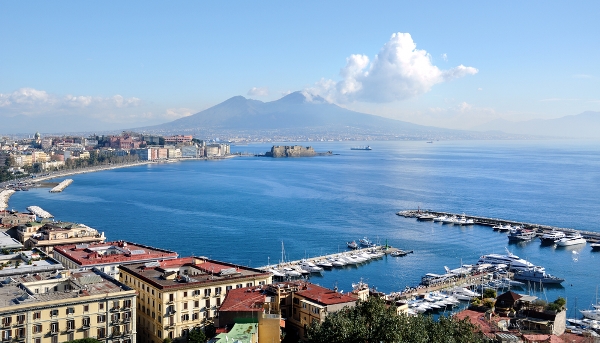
{"points": [[53, 313], [101, 318], [249, 284], [101, 333], [54, 327], [20, 319], [37, 328], [185, 305], [6, 335], [86, 333], [217, 290], [185, 317], [54, 339], [70, 336], [196, 304], [116, 304], [184, 294], [127, 303], [127, 315], [207, 292], [227, 288], [196, 292], [37, 340], [239, 285], [171, 297], [70, 310], [101, 306], [85, 322], [20, 332], [115, 317], [218, 301], [207, 303], [86, 308], [70, 325], [195, 316], [37, 315]]}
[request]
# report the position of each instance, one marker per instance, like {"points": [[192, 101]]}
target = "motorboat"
{"points": [[440, 218], [337, 262], [496, 227], [595, 246], [573, 239], [291, 272], [521, 235], [276, 273], [536, 275], [591, 314], [425, 217], [350, 260], [449, 220], [464, 221], [324, 264], [310, 267], [352, 245], [552, 237], [505, 228], [365, 242], [513, 262]]}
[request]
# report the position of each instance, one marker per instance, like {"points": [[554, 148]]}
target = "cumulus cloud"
{"points": [[31, 102], [399, 71], [176, 113], [258, 91]]}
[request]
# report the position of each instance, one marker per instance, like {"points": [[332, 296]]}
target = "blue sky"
{"points": [[133, 63]]}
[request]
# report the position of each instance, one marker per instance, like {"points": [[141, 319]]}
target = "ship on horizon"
{"points": [[361, 148]]}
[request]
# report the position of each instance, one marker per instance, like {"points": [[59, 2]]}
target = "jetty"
{"points": [[539, 228], [382, 249], [61, 186], [4, 196], [38, 211]]}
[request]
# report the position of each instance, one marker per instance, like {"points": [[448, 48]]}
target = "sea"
{"points": [[256, 211]]}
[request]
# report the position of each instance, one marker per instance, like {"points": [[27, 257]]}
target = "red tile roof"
{"points": [[246, 299], [121, 252], [324, 296]]}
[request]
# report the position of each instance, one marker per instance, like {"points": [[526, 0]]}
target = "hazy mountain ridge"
{"points": [[583, 125]]}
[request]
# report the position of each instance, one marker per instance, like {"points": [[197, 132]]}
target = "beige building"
{"points": [[46, 236], [177, 295], [60, 306]]}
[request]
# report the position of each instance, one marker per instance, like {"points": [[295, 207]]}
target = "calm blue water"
{"points": [[241, 209]]}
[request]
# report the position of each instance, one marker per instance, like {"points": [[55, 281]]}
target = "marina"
{"points": [[61, 186], [497, 224]]}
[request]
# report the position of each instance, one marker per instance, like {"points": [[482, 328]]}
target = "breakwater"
{"points": [[38, 211], [61, 186], [4, 196], [539, 228]]}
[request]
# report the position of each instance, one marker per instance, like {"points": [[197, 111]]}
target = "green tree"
{"points": [[196, 335], [372, 321], [210, 331], [167, 340], [489, 293]]}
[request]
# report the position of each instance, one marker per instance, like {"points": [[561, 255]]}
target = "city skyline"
{"points": [[452, 66]]}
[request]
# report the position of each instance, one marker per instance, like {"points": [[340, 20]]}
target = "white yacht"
{"points": [[291, 272], [552, 237], [449, 220], [440, 218], [324, 264], [573, 239], [510, 260], [337, 262], [350, 259], [464, 221], [591, 314], [310, 267]]}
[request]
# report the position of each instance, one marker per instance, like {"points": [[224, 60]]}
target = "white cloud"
{"points": [[176, 113], [582, 76], [258, 91], [398, 72], [31, 102], [445, 57]]}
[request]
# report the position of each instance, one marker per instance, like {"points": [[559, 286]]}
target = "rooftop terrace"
{"points": [[112, 252]]}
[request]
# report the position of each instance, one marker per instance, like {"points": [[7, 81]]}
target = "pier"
{"points": [[386, 250], [38, 211], [539, 228], [61, 186]]}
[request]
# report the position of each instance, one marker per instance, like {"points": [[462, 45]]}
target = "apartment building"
{"points": [[62, 306], [108, 256], [48, 235], [177, 295]]}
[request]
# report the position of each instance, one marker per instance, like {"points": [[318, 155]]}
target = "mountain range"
{"points": [[300, 114]]}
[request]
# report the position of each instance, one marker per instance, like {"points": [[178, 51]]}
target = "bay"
{"points": [[240, 210]]}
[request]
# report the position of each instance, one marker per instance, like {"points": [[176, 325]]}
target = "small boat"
{"points": [[595, 246], [536, 275], [552, 237], [521, 235], [361, 148], [450, 220], [310, 267], [464, 221], [290, 272], [440, 218], [425, 217], [505, 228], [365, 242], [573, 239], [324, 264], [337, 262], [400, 253], [352, 245]]}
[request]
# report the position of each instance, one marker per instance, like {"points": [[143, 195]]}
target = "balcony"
{"points": [[85, 326], [115, 309], [127, 320]]}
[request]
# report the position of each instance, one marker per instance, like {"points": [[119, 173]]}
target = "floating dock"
{"points": [[540, 228], [38, 211], [61, 186]]}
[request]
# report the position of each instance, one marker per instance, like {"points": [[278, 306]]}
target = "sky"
{"points": [[459, 64]]}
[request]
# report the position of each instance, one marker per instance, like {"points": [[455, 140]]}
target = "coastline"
{"points": [[4, 196]]}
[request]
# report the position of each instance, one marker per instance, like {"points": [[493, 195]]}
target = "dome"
{"points": [[37, 135]]}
